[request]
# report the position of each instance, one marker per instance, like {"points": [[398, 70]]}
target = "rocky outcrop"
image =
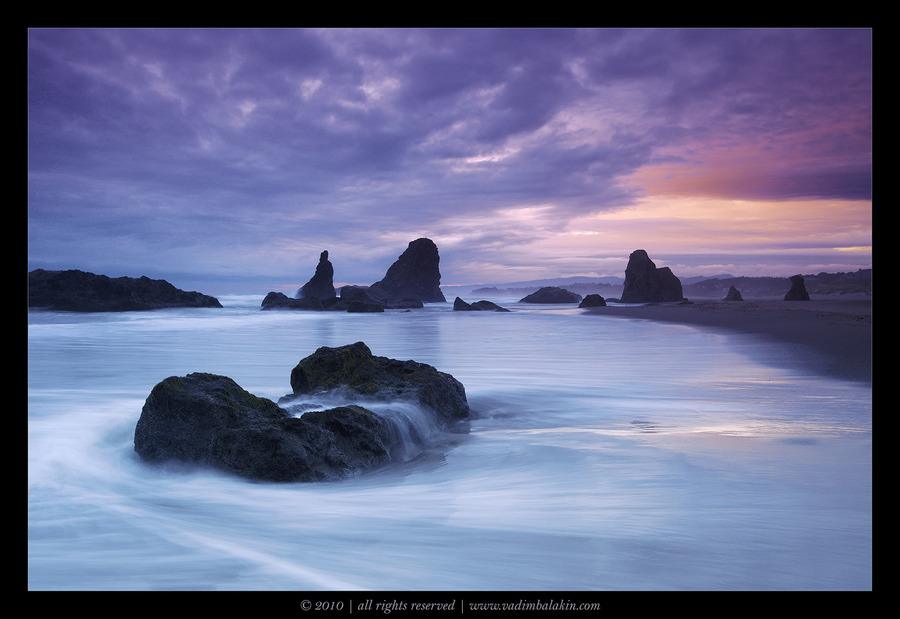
{"points": [[209, 420], [321, 286], [593, 300], [415, 276], [645, 283], [798, 289], [80, 291], [279, 300], [352, 300], [353, 368], [733, 295], [478, 306], [552, 294]]}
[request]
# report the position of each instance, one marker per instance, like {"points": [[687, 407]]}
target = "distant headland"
{"points": [[80, 291]]}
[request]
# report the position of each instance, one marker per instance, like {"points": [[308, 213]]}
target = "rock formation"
{"points": [[798, 289], [733, 295], [352, 299], [321, 286], [593, 300], [80, 291], [645, 283], [414, 276], [551, 294], [478, 306], [354, 368], [209, 420]]}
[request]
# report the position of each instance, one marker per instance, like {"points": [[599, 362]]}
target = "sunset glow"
{"points": [[218, 155]]}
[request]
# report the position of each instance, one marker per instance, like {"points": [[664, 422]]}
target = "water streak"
{"points": [[601, 454]]}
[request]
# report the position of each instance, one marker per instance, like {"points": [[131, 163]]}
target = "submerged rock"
{"points": [[552, 294], [321, 286], [478, 306], [80, 291], [415, 276], [209, 420], [645, 283], [798, 289]]}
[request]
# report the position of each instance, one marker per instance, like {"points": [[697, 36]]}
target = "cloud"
{"points": [[231, 149]]}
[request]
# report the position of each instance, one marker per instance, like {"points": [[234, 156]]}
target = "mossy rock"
{"points": [[354, 368], [209, 420]]}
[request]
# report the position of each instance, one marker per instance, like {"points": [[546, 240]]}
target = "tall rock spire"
{"points": [[321, 286]]}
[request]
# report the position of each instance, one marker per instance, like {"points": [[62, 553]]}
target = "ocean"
{"points": [[602, 454]]}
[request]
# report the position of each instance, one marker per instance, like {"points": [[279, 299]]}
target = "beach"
{"points": [[831, 335]]}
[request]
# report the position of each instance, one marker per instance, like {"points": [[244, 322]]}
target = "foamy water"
{"points": [[602, 454]]}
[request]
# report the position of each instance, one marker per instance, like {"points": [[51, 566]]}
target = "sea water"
{"points": [[602, 454]]}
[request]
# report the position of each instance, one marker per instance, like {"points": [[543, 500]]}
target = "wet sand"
{"points": [[831, 335]]}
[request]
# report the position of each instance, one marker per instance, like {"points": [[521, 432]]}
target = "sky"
{"points": [[229, 159]]}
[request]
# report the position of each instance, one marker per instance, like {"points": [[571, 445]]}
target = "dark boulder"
{"points": [[208, 420], [80, 291], [279, 300], [798, 289], [359, 300], [733, 295], [354, 369], [593, 300], [478, 306], [352, 299], [321, 286], [415, 276], [552, 294], [645, 283]]}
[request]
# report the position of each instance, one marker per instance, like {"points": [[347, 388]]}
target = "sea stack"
{"points": [[798, 289], [733, 295], [645, 283], [321, 286], [414, 276]]}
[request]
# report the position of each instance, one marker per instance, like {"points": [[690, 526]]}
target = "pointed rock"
{"points": [[321, 286], [733, 295]]}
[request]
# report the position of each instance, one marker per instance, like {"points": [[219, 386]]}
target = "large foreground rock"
{"points": [[355, 369], [552, 294], [208, 420], [415, 275], [80, 291], [645, 283]]}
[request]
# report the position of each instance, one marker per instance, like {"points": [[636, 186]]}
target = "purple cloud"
{"points": [[146, 146]]}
